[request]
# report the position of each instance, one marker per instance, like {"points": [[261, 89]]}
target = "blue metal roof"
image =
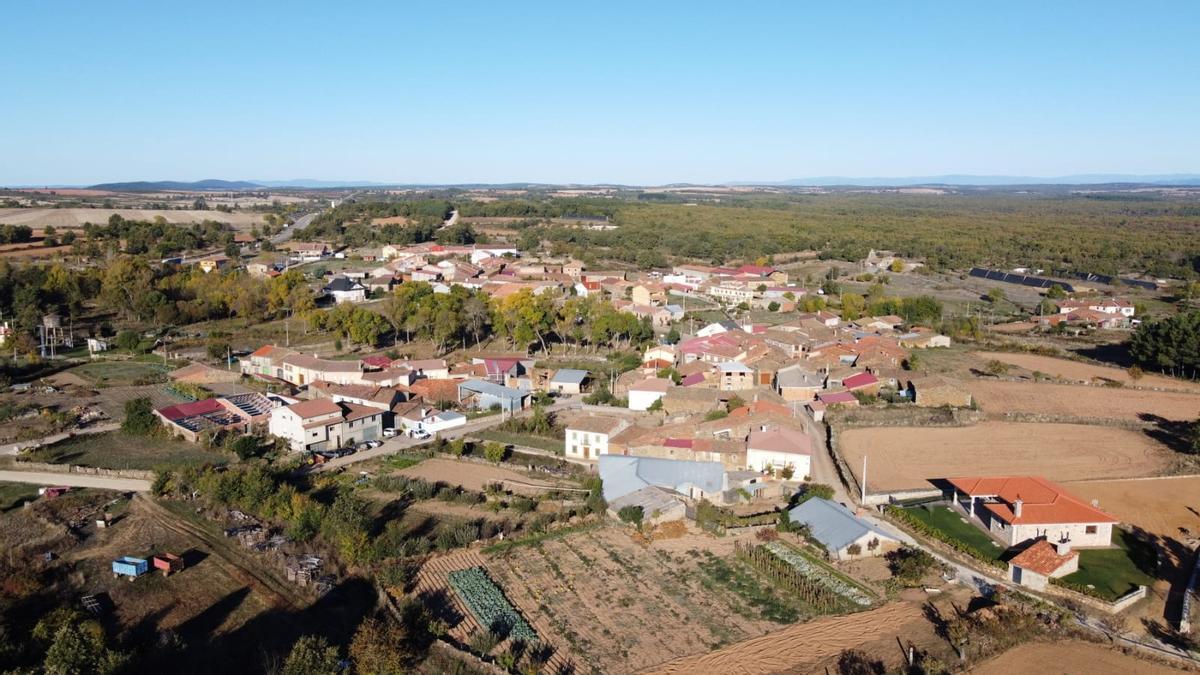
{"points": [[623, 475], [492, 389], [832, 524], [570, 376]]}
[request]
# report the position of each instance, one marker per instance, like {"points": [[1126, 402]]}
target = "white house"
{"points": [[1042, 561], [773, 449], [588, 437], [842, 533], [716, 328], [433, 421], [1105, 305], [643, 394], [322, 424], [1017, 509], [344, 289]]}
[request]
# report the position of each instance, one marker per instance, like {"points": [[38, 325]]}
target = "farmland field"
{"points": [[473, 476], [601, 598], [68, 218], [1082, 401], [117, 373], [1156, 505], [907, 457], [117, 450], [1068, 657], [1085, 372]]}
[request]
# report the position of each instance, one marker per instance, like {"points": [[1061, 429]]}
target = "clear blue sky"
{"points": [[645, 92]]}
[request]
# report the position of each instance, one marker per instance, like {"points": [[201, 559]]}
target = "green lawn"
{"points": [[953, 524], [12, 495], [554, 445], [1115, 571], [118, 450], [121, 373]]}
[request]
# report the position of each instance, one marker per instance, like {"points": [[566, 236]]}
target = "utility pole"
{"points": [[864, 481]]}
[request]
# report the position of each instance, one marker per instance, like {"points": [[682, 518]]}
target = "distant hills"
{"points": [[216, 185], [991, 181]]}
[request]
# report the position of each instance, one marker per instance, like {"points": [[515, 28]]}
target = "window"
{"points": [[1090, 529]]}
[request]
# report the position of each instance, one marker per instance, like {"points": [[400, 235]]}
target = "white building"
{"points": [[322, 424], [643, 394], [588, 437], [344, 289], [1017, 509], [774, 449]]}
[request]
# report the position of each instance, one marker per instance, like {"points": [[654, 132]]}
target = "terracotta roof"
{"points": [[658, 384], [780, 440], [354, 411], [596, 424], [183, 410], [1042, 558], [1042, 502], [314, 408], [860, 380]]}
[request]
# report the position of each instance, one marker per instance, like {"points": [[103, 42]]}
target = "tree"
{"points": [[897, 266], [245, 446], [378, 647], [856, 662], [817, 490], [1170, 345], [129, 340], [1056, 292], [910, 564], [139, 417], [632, 514], [494, 452], [78, 649], [312, 655], [852, 306], [772, 306], [995, 295]]}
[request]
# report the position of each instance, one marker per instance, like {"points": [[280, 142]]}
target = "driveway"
{"points": [[76, 480]]}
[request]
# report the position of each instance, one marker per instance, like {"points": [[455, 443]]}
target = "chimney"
{"points": [[1063, 547], [1017, 504]]}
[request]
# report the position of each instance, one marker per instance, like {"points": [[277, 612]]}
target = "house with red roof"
{"points": [[865, 382], [1042, 561], [1018, 509]]}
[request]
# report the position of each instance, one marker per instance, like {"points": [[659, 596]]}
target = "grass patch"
{"points": [[118, 450], [1114, 571], [951, 523], [538, 538], [554, 445], [402, 462], [13, 495], [122, 373]]}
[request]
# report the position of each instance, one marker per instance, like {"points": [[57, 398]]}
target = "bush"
{"points": [[494, 452], [631, 514], [910, 564], [139, 417]]}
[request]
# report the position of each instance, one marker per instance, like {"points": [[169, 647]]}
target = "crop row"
{"points": [[817, 573], [487, 603]]}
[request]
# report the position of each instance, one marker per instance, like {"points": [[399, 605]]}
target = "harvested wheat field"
{"points": [[902, 458], [602, 598], [1070, 400], [1159, 505], [60, 218], [800, 647], [474, 476], [1086, 372], [1069, 658]]}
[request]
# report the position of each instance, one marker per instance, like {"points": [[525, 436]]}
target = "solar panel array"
{"points": [[1106, 279], [1020, 279]]}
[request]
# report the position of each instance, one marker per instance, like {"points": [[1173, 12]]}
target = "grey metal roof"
{"points": [[623, 475], [833, 524], [492, 389], [570, 376]]}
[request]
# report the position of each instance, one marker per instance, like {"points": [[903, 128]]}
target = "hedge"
{"points": [[921, 528]]}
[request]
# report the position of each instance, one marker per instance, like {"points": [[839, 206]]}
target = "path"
{"points": [[82, 480]]}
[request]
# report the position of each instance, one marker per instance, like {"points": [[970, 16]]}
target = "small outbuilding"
{"points": [[1042, 561], [936, 391], [842, 533], [568, 381]]}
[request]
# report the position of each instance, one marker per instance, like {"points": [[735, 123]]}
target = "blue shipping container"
{"points": [[130, 567]]}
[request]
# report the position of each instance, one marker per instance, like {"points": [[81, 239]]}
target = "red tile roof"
{"points": [[1042, 502], [183, 410], [315, 408], [1042, 558], [860, 380]]}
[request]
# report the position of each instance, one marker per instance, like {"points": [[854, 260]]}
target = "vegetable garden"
{"points": [[821, 588], [489, 606]]}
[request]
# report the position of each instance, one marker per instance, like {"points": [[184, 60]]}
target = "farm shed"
{"points": [[1042, 561], [569, 381], [482, 395], [838, 529], [936, 391]]}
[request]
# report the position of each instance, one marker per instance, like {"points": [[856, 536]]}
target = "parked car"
{"points": [[418, 433], [388, 432], [374, 444]]}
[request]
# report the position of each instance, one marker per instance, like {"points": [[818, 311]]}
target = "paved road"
{"points": [[76, 480], [823, 469], [287, 232], [398, 443]]}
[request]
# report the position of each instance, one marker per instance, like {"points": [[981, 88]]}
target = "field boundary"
{"points": [[26, 465]]}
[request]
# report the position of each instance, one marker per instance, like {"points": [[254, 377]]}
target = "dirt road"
{"points": [[76, 480]]}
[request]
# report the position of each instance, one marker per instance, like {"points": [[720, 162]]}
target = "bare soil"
{"points": [[69, 218], [1068, 658], [1069, 400], [1086, 372], [908, 457], [1163, 506], [474, 476]]}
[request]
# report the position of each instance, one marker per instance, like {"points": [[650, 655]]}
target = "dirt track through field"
{"points": [[800, 645], [1070, 400], [1086, 372], [902, 458]]}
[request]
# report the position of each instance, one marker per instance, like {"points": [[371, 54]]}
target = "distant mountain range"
{"points": [[966, 179], [216, 185]]}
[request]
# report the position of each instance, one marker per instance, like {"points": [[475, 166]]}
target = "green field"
{"points": [[954, 525], [117, 450], [12, 495], [1115, 571], [121, 373]]}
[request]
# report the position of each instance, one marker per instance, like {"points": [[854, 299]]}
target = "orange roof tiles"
{"points": [[1041, 500]]}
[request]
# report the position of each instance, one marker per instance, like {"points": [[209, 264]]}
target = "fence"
{"points": [[1120, 604], [1193, 587], [23, 465]]}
